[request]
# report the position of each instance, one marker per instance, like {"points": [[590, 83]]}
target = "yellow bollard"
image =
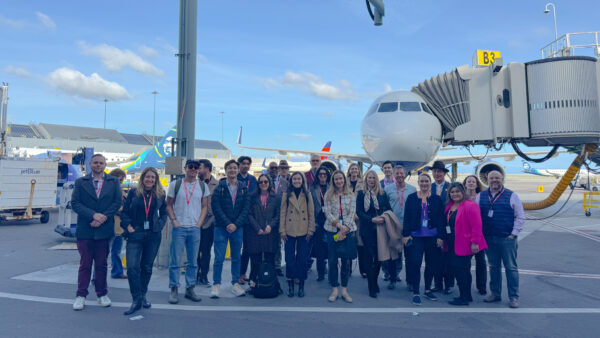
{"points": [[228, 251], [541, 188]]}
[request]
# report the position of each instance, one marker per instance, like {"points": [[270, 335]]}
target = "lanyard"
{"points": [[340, 207], [322, 197], [449, 215], [265, 203], [495, 199], [234, 196], [425, 209], [401, 200], [147, 206], [100, 184], [188, 199]]}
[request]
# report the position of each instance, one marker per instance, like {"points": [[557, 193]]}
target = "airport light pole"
{"points": [[546, 11], [222, 124], [154, 120], [105, 100]]}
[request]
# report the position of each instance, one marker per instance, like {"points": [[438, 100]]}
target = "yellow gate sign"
{"points": [[485, 57]]}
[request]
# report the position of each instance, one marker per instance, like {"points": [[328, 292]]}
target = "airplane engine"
{"points": [[331, 165], [484, 168]]}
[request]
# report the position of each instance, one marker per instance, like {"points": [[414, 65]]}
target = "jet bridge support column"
{"points": [[454, 172]]}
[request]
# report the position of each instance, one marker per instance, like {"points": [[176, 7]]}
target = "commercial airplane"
{"points": [[556, 173], [154, 156], [400, 127]]}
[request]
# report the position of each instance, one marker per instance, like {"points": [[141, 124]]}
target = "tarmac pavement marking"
{"points": [[313, 309], [576, 232]]}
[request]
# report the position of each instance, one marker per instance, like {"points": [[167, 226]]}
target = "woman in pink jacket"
{"points": [[464, 238]]}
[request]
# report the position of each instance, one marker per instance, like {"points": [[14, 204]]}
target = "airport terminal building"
{"points": [[71, 138]]}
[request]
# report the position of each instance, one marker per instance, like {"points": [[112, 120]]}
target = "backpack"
{"points": [[178, 186], [267, 285]]}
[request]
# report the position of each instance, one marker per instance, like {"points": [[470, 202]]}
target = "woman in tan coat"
{"points": [[296, 227]]}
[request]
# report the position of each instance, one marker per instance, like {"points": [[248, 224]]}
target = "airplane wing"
{"points": [[338, 156]]}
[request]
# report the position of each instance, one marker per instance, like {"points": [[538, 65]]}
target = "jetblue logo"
{"points": [[30, 171]]}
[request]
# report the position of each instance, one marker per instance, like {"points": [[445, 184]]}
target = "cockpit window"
{"points": [[387, 107], [410, 106], [372, 109], [426, 108]]}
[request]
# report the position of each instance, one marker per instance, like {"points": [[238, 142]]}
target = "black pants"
{"points": [[480, 271], [319, 250], [256, 260], [142, 247], [245, 260], [333, 259], [373, 267], [207, 237], [422, 246], [462, 270], [445, 278], [385, 266], [364, 262]]}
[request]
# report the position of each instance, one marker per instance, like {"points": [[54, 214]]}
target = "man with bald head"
{"points": [[503, 217]]}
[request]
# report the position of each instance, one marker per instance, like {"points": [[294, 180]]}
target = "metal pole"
{"points": [[546, 10], [105, 100], [154, 120]]}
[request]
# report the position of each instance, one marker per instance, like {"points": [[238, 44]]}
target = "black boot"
{"points": [[135, 306], [145, 303], [301, 289], [290, 288]]}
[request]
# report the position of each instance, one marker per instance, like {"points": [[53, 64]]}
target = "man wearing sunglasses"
{"points": [[187, 205]]}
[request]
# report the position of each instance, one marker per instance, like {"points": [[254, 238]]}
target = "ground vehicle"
{"points": [[27, 188]]}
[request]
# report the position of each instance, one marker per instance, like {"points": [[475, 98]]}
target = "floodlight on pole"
{"points": [[546, 11], [105, 100], [222, 124]]}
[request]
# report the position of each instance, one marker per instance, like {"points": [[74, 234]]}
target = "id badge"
{"points": [[448, 230], [147, 225], [425, 223], [341, 221], [491, 213]]}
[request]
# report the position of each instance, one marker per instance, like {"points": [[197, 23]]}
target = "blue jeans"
{"points": [[115, 257], [220, 246], [190, 239], [296, 256], [503, 250]]}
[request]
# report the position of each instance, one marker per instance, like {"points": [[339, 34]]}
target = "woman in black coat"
{"points": [[371, 203], [143, 217], [422, 231], [318, 189], [263, 220]]}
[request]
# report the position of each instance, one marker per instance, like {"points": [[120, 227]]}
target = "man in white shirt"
{"points": [[187, 205]]}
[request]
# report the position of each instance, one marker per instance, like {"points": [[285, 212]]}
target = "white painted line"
{"points": [[557, 274], [313, 309], [576, 232]]}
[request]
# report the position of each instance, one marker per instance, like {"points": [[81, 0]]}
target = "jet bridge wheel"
{"points": [[45, 217], [588, 213]]}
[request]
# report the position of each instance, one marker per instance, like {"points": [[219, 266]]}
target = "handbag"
{"points": [[347, 248]]}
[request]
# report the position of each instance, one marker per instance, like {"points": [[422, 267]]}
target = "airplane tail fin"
{"points": [[526, 165], [264, 163], [326, 149], [163, 147]]}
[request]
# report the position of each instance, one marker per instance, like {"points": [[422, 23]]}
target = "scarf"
{"points": [[370, 196]]}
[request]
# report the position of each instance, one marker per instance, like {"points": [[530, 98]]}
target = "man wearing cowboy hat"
{"points": [[439, 186], [284, 170]]}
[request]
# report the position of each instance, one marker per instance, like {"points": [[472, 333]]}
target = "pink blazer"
{"points": [[467, 228]]}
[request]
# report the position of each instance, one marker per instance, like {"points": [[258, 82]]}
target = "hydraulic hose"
{"points": [[590, 148]]}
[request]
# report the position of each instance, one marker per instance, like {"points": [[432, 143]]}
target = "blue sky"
{"points": [[294, 73]]}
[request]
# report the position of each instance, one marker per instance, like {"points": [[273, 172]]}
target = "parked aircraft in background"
{"points": [[153, 157]]}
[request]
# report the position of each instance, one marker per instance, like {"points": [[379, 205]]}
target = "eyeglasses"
{"points": [[193, 167], [323, 174], [263, 182]]}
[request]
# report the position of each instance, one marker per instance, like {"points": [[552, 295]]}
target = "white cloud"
{"points": [[148, 52], [302, 136], [314, 85], [201, 58], [93, 87], [115, 59], [14, 24], [45, 20], [387, 87], [18, 71]]}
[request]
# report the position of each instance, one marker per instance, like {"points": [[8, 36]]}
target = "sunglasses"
{"points": [[193, 167], [322, 174], [272, 168], [263, 182]]}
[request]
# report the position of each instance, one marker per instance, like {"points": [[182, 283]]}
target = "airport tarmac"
{"points": [[559, 294]]}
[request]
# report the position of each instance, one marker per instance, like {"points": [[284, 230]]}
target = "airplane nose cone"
{"points": [[408, 138]]}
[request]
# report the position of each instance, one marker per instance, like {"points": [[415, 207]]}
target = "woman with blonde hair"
{"points": [[371, 203], [340, 229], [143, 218], [356, 184]]}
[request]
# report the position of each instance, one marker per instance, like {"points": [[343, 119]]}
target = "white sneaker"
{"points": [[79, 303], [214, 291], [104, 301], [237, 290]]}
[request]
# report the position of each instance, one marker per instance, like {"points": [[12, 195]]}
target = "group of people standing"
{"points": [[333, 217]]}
